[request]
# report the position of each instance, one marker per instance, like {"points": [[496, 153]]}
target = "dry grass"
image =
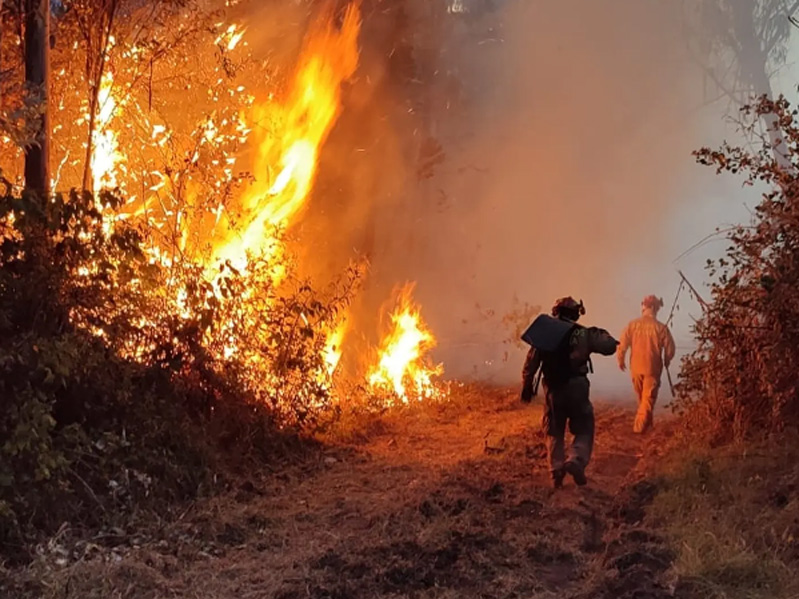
{"points": [[429, 502], [733, 514]]}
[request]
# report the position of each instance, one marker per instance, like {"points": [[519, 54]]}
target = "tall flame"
{"points": [[303, 122], [332, 352], [105, 147], [401, 366]]}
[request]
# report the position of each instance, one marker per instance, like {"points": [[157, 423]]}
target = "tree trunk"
{"points": [[95, 69], [753, 64], [37, 77], [88, 173]]}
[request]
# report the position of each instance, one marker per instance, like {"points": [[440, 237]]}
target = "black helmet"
{"points": [[569, 308]]}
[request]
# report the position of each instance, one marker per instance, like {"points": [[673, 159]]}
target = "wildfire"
{"points": [[401, 366], [285, 135], [333, 350], [302, 122], [105, 148]]}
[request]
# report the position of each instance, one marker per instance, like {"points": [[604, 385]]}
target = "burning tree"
{"points": [[742, 377], [155, 83], [161, 305]]}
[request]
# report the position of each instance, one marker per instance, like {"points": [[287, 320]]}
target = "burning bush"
{"points": [[742, 377], [117, 373], [138, 331]]}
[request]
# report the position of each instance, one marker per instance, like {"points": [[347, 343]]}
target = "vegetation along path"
{"points": [[442, 501]]}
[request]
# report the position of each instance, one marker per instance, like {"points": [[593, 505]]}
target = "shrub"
{"points": [[121, 378], [742, 376]]}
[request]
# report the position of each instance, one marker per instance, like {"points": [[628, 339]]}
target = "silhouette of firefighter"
{"points": [[651, 347], [560, 354]]}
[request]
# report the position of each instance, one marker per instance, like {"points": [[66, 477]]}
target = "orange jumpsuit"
{"points": [[651, 345]]}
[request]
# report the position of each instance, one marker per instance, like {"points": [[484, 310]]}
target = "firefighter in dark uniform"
{"points": [[564, 368]]}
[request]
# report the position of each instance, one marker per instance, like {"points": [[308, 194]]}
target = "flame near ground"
{"points": [[286, 135], [401, 357]]}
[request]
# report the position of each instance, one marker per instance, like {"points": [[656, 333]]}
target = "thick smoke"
{"points": [[581, 120], [567, 129]]}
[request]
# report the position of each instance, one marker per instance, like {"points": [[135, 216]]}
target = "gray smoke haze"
{"points": [[565, 169], [567, 128]]}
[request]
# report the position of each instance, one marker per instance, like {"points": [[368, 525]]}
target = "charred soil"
{"points": [[440, 501]]}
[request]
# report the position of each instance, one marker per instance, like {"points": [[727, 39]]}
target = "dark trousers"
{"points": [[569, 403]]}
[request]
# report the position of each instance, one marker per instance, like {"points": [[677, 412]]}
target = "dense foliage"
{"points": [[118, 378], [742, 377]]}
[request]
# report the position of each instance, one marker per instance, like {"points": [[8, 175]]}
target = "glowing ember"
{"points": [[304, 120], [401, 367], [105, 151], [230, 38], [333, 345]]}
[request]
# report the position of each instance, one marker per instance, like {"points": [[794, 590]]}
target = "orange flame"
{"points": [[303, 122], [106, 156], [286, 137], [230, 38], [401, 367], [332, 352]]}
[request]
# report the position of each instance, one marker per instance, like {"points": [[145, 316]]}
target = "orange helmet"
{"points": [[652, 302], [569, 308]]}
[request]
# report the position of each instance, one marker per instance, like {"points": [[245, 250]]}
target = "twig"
{"points": [[183, 515], [705, 305], [88, 489], [674, 303], [715, 236]]}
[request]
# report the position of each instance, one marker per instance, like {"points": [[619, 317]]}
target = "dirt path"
{"points": [[450, 502]]}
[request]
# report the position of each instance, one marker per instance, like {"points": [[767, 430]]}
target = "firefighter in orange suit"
{"points": [[651, 347]]}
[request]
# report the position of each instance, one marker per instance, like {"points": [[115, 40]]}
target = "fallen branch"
{"points": [[88, 490], [704, 304], [674, 303]]}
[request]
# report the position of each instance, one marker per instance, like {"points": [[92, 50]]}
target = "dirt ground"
{"points": [[446, 501]]}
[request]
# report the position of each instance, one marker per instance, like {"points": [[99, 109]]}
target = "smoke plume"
{"points": [[565, 131]]}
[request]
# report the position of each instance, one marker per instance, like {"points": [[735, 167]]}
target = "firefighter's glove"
{"points": [[527, 394]]}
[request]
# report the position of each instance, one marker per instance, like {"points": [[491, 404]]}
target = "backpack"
{"points": [[551, 337]]}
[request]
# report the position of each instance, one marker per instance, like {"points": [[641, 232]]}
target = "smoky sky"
{"points": [[567, 159], [566, 129]]}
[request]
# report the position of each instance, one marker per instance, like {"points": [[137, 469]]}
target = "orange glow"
{"points": [[401, 366], [284, 135], [333, 345], [106, 157], [230, 38], [289, 135]]}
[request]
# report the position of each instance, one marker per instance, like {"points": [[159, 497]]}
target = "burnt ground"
{"points": [[447, 501]]}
